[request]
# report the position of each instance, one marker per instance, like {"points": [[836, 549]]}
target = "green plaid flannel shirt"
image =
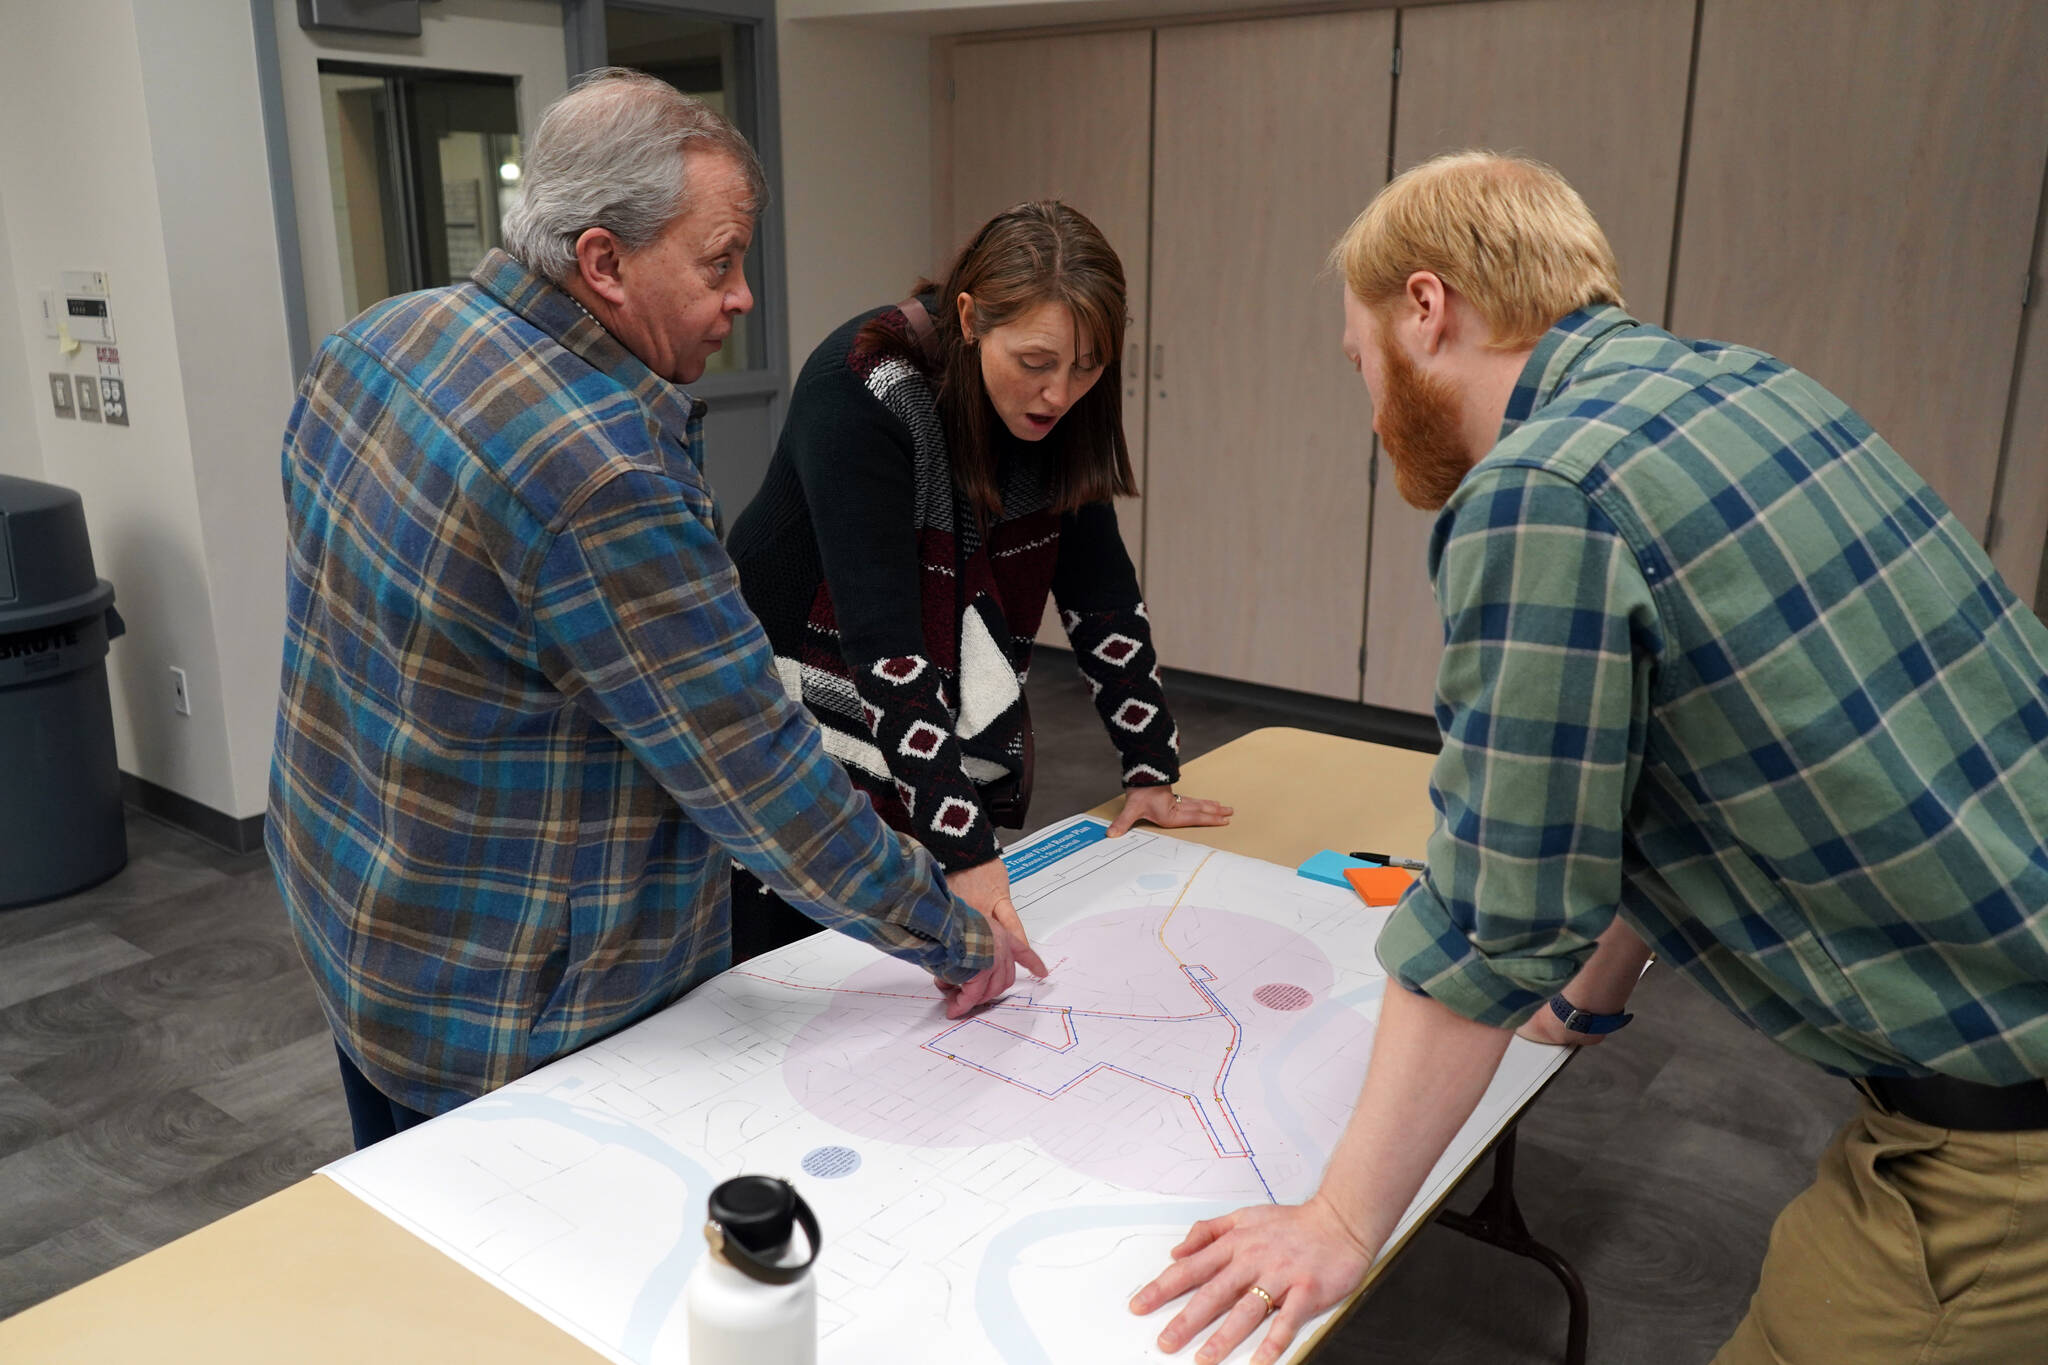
{"points": [[1719, 662]]}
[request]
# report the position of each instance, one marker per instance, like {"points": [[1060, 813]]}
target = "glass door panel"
{"points": [[707, 59], [423, 166]]}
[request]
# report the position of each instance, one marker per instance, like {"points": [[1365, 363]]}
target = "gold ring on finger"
{"points": [[1263, 1295]]}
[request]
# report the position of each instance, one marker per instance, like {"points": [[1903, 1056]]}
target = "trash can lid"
{"points": [[46, 569]]}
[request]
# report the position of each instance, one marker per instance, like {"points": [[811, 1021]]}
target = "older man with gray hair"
{"points": [[527, 721]]}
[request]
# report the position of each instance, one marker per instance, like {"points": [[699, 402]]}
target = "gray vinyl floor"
{"points": [[163, 1063]]}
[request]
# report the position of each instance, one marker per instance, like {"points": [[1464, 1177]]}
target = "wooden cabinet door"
{"points": [[1269, 136], [1595, 88], [2020, 533], [1070, 119], [1860, 200]]}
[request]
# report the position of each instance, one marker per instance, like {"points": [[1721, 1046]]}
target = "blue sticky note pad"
{"points": [[1328, 866]]}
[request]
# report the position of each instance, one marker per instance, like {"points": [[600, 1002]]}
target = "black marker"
{"points": [[1390, 861]]}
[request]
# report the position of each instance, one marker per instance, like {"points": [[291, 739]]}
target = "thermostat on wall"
{"points": [[85, 311], [88, 319]]}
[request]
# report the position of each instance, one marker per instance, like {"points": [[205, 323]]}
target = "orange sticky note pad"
{"points": [[1379, 885]]}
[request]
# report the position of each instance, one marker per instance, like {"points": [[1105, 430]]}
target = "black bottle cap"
{"points": [[757, 1211]]}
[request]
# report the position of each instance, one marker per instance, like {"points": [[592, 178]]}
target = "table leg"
{"points": [[1498, 1220]]}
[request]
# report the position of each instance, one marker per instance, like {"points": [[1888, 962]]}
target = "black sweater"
{"points": [[905, 629]]}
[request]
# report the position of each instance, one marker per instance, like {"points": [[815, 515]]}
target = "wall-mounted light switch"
{"points": [[60, 394], [88, 397]]}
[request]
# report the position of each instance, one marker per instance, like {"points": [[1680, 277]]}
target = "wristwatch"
{"points": [[1577, 1020]]}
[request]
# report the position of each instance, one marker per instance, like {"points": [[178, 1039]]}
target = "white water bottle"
{"points": [[751, 1299]]}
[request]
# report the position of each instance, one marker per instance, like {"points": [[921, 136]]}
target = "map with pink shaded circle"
{"points": [[1180, 1050]]}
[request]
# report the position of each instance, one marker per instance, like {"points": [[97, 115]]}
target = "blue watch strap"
{"points": [[1577, 1020]]}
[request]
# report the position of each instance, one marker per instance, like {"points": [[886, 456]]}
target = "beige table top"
{"points": [[312, 1275]]}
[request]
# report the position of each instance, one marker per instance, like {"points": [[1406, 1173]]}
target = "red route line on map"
{"points": [[1193, 1108], [1215, 1010], [1067, 1012]]}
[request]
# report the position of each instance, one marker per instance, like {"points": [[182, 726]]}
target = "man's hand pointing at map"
{"points": [[987, 889]]}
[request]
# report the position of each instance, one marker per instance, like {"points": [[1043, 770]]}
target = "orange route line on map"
{"points": [[1176, 906], [1223, 1068]]}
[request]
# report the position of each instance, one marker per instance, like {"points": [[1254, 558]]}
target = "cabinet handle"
{"points": [[1159, 362]]}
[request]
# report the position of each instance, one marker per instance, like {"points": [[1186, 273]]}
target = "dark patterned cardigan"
{"points": [[906, 630]]}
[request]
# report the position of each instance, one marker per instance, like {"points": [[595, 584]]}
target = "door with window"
{"points": [[405, 152]]}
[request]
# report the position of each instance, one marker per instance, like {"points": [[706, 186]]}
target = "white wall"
{"points": [[21, 450], [856, 172], [234, 359], [86, 199], [517, 38]]}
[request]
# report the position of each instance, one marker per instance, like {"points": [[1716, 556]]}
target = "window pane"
{"points": [[705, 58], [358, 115], [479, 172], [422, 168], [464, 135]]}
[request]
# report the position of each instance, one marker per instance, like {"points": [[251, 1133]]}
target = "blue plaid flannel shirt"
{"points": [[1719, 662], [526, 717]]}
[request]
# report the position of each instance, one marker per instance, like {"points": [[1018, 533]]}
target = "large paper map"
{"points": [[991, 1189]]}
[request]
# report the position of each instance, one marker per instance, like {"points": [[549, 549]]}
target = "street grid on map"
{"points": [[991, 1189]]}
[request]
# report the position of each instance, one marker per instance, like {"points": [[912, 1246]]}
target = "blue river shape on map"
{"points": [[663, 1289], [1002, 1317], [1285, 1116]]}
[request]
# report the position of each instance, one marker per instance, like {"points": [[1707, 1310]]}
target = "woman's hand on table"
{"points": [[1302, 1256], [986, 887], [1159, 806]]}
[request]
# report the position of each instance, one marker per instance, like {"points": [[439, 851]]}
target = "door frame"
{"points": [[584, 40]]}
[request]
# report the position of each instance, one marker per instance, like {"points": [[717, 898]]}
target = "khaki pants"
{"points": [[1914, 1246]]}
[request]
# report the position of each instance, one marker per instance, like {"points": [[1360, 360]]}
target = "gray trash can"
{"points": [[61, 828]]}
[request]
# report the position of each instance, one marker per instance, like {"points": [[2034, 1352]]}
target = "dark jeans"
{"points": [[761, 920], [374, 1115]]}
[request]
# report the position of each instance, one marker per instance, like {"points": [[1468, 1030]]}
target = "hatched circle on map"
{"points": [[1281, 995], [1147, 1059], [831, 1163]]}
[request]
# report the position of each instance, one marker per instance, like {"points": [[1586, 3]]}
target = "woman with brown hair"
{"points": [[946, 464]]}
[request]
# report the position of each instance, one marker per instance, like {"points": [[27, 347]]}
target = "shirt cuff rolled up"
{"points": [[1427, 951]]}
